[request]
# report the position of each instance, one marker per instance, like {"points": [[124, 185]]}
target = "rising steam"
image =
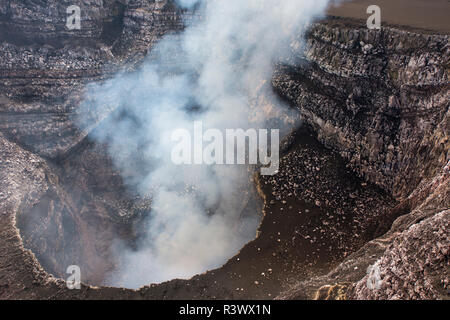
{"points": [[211, 72]]}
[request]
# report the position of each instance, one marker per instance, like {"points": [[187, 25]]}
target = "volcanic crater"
{"points": [[364, 180]]}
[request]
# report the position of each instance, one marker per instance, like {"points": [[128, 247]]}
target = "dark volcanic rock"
{"points": [[44, 68], [379, 98], [412, 255], [415, 265]]}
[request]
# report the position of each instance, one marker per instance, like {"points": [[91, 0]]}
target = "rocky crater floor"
{"points": [[364, 183]]}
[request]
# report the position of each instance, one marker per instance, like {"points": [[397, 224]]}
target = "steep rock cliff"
{"points": [[381, 99], [45, 67]]}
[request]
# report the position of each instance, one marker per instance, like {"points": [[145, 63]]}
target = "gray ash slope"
{"points": [[379, 100]]}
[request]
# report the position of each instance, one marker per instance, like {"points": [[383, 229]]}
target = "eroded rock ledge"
{"points": [[381, 99]]}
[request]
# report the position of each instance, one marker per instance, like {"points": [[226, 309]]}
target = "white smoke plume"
{"points": [[210, 72]]}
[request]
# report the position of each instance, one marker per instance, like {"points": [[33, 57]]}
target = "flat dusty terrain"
{"points": [[422, 14]]}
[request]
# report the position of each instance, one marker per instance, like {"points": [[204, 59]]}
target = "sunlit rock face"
{"points": [[381, 100]]}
